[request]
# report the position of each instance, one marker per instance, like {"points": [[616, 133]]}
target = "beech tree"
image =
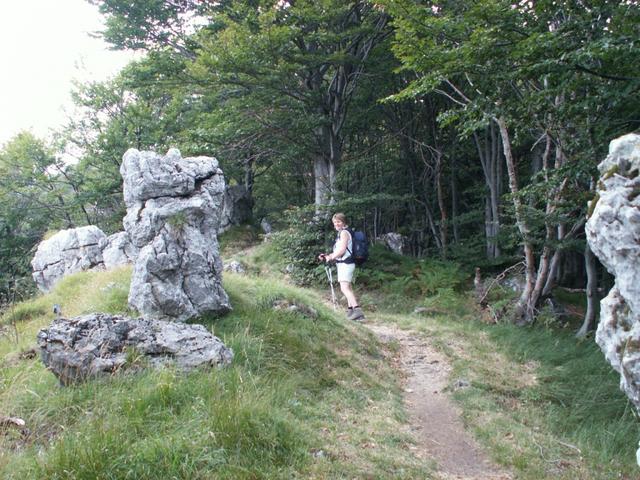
{"points": [[34, 197], [516, 65], [311, 52], [473, 128]]}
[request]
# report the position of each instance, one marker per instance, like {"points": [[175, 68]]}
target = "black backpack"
{"points": [[360, 245]]}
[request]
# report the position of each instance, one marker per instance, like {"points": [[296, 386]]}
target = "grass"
{"points": [[544, 404], [237, 239], [310, 395], [305, 397]]}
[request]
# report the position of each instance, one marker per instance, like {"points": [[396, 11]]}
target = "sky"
{"points": [[44, 46]]}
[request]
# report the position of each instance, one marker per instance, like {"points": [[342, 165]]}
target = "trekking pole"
{"points": [[327, 270]]}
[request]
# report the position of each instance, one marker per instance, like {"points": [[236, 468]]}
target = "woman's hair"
{"points": [[340, 216]]}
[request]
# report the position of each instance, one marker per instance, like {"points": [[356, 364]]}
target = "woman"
{"points": [[344, 263]]}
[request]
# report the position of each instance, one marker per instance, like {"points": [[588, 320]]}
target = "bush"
{"points": [[301, 242]]}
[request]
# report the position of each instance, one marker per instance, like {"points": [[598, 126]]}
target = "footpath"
{"points": [[434, 417]]}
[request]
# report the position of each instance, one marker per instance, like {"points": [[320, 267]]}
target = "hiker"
{"points": [[342, 255]]}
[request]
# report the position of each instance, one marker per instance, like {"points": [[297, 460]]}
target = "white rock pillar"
{"points": [[174, 206], [613, 233]]}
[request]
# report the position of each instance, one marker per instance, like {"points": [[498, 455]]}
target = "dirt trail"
{"points": [[435, 419]]}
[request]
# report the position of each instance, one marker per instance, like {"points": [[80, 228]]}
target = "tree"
{"points": [[310, 52], [34, 197], [142, 108], [514, 65]]}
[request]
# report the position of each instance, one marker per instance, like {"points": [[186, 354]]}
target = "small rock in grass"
{"points": [[461, 383], [291, 306]]}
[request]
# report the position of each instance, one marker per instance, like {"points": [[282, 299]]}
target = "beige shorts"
{"points": [[345, 271]]}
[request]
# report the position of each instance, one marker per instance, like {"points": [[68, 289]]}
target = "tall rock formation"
{"points": [[174, 207], [613, 233]]}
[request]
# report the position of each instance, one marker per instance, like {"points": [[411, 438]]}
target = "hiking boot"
{"points": [[357, 315]]}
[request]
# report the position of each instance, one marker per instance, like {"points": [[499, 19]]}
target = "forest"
{"points": [[473, 129]]}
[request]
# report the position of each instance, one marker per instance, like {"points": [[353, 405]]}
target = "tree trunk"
{"points": [[324, 166], [496, 191], [441, 205], [552, 277], [589, 322], [488, 229], [525, 310], [432, 224], [454, 202], [545, 258], [337, 96], [489, 156], [324, 179], [590, 318], [249, 180]]}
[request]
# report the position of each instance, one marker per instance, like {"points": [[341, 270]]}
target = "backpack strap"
{"points": [[348, 229]]}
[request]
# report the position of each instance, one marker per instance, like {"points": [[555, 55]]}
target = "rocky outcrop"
{"points": [[98, 344], [393, 241], [174, 208], [68, 251], [613, 232], [236, 207], [117, 250]]}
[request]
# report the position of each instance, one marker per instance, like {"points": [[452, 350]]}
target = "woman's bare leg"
{"points": [[347, 291]]}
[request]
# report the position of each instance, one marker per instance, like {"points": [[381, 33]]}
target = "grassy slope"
{"points": [[304, 398], [311, 398]]}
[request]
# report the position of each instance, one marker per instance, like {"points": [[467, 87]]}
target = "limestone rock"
{"points": [[174, 208], [146, 175], [235, 267], [96, 344], [117, 249], [236, 207], [266, 226], [293, 306], [393, 241], [68, 251], [613, 233]]}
